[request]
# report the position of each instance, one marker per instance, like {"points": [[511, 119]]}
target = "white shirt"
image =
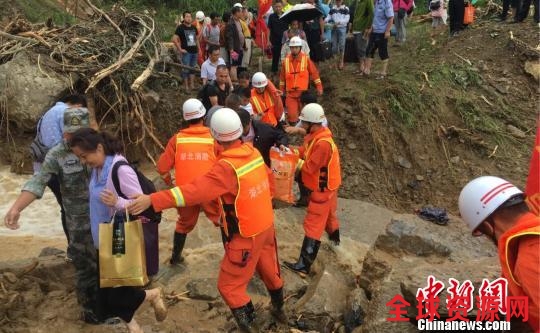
{"points": [[208, 69], [249, 108]]}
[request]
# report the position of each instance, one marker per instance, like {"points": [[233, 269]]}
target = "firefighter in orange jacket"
{"points": [[321, 174], [192, 153], [494, 207], [240, 180], [296, 70], [265, 100]]}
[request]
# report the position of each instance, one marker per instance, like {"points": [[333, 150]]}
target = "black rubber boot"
{"points": [[178, 245], [245, 318], [334, 237], [277, 310], [308, 253]]}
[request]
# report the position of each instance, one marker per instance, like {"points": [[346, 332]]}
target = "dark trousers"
{"points": [[54, 185], [276, 55], [314, 39], [456, 10], [119, 302]]}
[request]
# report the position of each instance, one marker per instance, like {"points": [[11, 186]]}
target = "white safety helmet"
{"points": [[193, 109], [259, 80], [295, 41], [238, 4], [482, 196], [199, 16], [312, 113], [225, 125]]}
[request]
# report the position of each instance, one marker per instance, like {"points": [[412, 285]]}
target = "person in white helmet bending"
{"points": [[494, 207]]}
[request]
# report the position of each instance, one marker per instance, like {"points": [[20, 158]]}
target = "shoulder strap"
{"points": [[38, 130], [115, 180]]}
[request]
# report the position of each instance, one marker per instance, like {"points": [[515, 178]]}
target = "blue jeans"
{"points": [[338, 40], [189, 59]]}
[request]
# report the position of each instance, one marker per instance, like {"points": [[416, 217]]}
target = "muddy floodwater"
{"points": [[40, 222]]}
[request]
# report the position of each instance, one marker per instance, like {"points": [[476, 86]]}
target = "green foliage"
{"points": [[463, 76], [405, 115], [474, 118], [40, 11]]}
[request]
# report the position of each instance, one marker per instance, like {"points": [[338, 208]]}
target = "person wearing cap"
{"points": [[494, 207], [49, 134], [321, 175], [192, 153], [241, 179], [266, 100], [73, 182], [296, 70]]}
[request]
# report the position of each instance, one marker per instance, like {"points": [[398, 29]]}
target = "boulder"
{"points": [[29, 90], [204, 289], [357, 305], [533, 69], [327, 296], [408, 252]]}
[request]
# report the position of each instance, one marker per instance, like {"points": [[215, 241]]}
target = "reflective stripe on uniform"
{"points": [[182, 140], [178, 197], [250, 166]]}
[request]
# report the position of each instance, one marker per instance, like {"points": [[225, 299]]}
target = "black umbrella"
{"points": [[301, 12]]}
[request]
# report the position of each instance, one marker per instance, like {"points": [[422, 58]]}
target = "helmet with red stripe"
{"points": [[482, 196], [225, 125]]}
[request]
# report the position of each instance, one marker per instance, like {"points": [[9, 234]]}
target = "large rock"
{"points": [[408, 252], [204, 289], [29, 90], [327, 295]]}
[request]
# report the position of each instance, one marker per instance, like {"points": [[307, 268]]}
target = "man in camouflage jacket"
{"points": [[73, 178]]}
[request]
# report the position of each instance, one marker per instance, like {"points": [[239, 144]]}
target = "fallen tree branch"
{"points": [[35, 36], [464, 59], [139, 81], [19, 38], [114, 67]]}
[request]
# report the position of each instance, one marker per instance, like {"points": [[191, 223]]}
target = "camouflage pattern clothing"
{"points": [[73, 178]]}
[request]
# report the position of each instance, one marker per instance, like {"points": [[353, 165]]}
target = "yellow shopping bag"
{"points": [[122, 260]]}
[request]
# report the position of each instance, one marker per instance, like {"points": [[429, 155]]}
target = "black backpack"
{"points": [[147, 187]]}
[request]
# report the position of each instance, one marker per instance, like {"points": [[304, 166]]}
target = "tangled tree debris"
{"points": [[110, 57]]}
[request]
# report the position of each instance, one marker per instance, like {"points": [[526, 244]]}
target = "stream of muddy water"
{"points": [[40, 224]]}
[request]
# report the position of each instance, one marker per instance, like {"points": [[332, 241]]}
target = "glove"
{"points": [[234, 55]]}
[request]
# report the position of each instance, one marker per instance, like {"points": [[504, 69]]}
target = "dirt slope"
{"points": [[438, 120]]}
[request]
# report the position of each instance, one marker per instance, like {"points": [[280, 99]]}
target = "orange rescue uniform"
{"points": [[267, 105], [192, 152], [321, 174], [240, 180], [519, 254], [294, 79]]}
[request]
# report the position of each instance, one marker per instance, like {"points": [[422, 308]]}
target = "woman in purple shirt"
{"points": [[100, 151]]}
